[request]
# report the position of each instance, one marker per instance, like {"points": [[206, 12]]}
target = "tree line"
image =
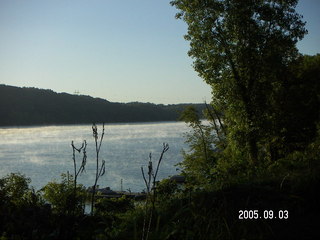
{"points": [[32, 106]]}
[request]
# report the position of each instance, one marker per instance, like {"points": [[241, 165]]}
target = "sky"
{"points": [[119, 50]]}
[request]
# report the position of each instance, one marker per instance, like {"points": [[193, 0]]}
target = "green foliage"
{"points": [[243, 50], [63, 198], [14, 188], [265, 108], [166, 190], [22, 211], [113, 206], [302, 102], [200, 159], [3, 237]]}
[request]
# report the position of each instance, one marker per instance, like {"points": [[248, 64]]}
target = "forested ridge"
{"points": [[33, 106]]}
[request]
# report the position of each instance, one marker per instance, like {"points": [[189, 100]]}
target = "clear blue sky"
{"points": [[120, 50]]}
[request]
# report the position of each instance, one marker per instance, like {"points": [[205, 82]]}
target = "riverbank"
{"points": [[287, 212]]}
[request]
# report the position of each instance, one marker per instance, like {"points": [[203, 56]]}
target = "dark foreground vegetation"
{"points": [[33, 106], [252, 171], [177, 213]]}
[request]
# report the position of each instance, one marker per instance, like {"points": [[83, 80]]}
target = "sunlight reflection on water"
{"points": [[43, 153]]}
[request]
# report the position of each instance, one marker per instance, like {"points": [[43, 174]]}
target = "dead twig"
{"points": [[151, 190], [100, 170]]}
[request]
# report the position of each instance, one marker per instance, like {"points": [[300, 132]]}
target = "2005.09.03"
{"points": [[267, 214]]}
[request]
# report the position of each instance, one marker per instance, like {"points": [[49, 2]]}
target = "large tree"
{"points": [[243, 48]]}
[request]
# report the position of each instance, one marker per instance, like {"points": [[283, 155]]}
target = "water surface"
{"points": [[43, 153]]}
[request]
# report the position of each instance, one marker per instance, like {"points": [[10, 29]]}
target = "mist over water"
{"points": [[44, 153]]}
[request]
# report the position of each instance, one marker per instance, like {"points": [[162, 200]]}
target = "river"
{"points": [[44, 153]]}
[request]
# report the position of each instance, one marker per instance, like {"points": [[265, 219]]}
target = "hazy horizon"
{"points": [[121, 51], [80, 94]]}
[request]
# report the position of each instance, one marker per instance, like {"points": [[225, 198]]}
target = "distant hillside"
{"points": [[32, 106]]}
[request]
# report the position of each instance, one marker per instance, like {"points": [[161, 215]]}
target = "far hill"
{"points": [[33, 106]]}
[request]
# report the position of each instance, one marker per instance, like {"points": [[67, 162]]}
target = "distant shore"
{"points": [[39, 107]]}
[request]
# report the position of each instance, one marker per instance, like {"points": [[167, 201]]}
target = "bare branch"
{"points": [[145, 180], [102, 169], [214, 121], [165, 149]]}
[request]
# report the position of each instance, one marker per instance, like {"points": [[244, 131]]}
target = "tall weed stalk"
{"points": [[150, 183], [78, 171], [100, 168]]}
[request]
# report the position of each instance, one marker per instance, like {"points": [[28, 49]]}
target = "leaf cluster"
{"points": [[63, 197]]}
